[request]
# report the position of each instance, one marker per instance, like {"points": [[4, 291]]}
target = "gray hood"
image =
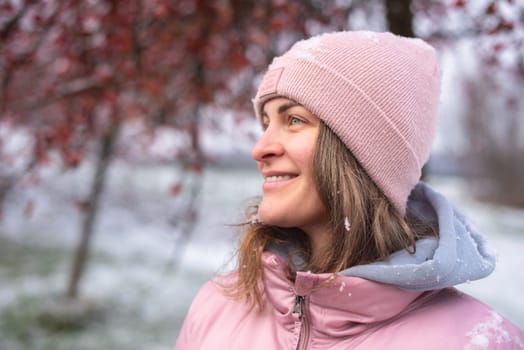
{"points": [[459, 254]]}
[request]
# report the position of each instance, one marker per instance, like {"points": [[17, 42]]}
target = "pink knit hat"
{"points": [[378, 92]]}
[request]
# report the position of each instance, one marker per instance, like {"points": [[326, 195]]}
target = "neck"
{"points": [[319, 239]]}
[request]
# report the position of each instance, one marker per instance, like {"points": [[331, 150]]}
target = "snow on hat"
{"points": [[378, 93]]}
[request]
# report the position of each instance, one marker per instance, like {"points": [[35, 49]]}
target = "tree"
{"points": [[74, 72], [400, 17]]}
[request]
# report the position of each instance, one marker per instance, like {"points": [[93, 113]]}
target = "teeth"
{"points": [[277, 178]]}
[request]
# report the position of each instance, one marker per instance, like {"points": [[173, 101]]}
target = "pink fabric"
{"points": [[378, 92], [343, 313]]}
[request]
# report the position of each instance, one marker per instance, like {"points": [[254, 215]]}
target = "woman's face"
{"points": [[284, 155]]}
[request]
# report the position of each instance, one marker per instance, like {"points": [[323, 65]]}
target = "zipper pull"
{"points": [[299, 302]]}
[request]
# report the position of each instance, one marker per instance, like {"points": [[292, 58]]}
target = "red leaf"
{"points": [[153, 86], [39, 20], [72, 158], [502, 27], [161, 10], [103, 72], [7, 7], [491, 9], [238, 59], [259, 13], [196, 168], [459, 4], [499, 46], [507, 25], [277, 24], [62, 134], [176, 189], [83, 206], [41, 155]]}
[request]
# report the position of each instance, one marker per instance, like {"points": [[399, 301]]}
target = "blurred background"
{"points": [[125, 137]]}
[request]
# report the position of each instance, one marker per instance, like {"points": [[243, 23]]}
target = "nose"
{"points": [[267, 146]]}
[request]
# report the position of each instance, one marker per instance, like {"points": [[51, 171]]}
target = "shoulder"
{"points": [[214, 318], [461, 321], [209, 290], [211, 300]]}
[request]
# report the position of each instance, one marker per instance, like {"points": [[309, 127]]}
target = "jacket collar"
{"points": [[334, 304]]}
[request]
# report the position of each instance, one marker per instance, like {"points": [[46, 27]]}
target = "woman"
{"points": [[345, 250]]}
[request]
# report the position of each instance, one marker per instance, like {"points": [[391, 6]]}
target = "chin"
{"points": [[268, 216], [274, 218]]}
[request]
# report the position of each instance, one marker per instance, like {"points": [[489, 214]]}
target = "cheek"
{"points": [[303, 156]]}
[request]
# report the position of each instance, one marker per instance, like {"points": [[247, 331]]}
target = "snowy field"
{"points": [[142, 282]]}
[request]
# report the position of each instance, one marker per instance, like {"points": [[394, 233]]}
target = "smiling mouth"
{"points": [[278, 178]]}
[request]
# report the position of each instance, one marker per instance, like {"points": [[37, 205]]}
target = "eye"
{"points": [[293, 120], [265, 122]]}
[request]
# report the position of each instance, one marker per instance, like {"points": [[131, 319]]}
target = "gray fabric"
{"points": [[459, 254]]}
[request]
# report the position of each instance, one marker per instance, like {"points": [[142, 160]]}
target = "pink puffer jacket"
{"points": [[323, 311]]}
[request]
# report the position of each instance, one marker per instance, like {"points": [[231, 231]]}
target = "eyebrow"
{"points": [[283, 107]]}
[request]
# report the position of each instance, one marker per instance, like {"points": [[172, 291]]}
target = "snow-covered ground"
{"points": [[131, 269]]}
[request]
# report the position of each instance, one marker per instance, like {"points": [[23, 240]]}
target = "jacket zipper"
{"points": [[299, 309]]}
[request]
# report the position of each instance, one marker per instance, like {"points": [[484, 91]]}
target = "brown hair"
{"points": [[377, 229]]}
